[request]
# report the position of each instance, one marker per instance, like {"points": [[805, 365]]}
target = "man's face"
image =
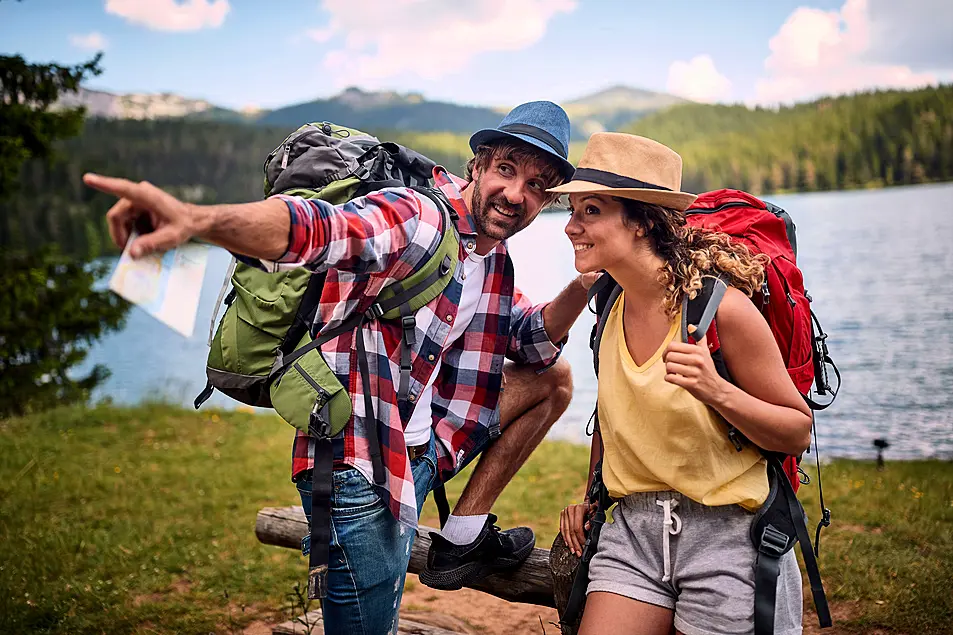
{"points": [[507, 196]]}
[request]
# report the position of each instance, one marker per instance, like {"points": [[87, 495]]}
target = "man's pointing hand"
{"points": [[174, 222]]}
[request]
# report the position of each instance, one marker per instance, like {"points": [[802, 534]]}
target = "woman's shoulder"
{"points": [[736, 313]]}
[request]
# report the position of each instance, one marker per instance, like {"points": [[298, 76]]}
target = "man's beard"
{"points": [[481, 215]]}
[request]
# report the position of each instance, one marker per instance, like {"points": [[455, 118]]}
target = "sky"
{"points": [[273, 53]]}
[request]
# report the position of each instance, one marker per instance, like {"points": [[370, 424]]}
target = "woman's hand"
{"points": [[691, 367], [573, 523]]}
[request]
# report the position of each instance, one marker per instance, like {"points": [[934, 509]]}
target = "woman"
{"points": [[677, 553]]}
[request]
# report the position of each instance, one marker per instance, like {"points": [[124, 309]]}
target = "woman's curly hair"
{"points": [[690, 253]]}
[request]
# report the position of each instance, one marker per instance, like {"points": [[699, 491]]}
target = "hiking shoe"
{"points": [[451, 567]]}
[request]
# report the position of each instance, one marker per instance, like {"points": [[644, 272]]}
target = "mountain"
{"points": [[615, 107], [149, 106], [386, 110], [609, 109], [606, 110]]}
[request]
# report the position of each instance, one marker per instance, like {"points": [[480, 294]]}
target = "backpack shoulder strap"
{"points": [[700, 311], [605, 291]]}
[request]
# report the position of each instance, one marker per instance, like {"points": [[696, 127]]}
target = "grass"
{"points": [[140, 520]]}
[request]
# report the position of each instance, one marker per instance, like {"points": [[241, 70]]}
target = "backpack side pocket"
{"points": [[308, 386]]}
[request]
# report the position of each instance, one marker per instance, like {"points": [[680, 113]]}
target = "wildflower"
{"points": [[117, 469]]}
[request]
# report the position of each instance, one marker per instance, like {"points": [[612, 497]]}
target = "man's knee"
{"points": [[558, 380]]}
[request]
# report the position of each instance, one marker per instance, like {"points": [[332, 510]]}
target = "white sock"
{"points": [[462, 530]]}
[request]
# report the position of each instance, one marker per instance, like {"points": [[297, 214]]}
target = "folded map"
{"points": [[167, 286]]}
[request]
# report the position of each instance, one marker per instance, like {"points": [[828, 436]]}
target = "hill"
{"points": [[614, 107], [870, 139], [391, 110]]}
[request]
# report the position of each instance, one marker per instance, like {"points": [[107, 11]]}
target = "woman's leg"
{"points": [[611, 614]]}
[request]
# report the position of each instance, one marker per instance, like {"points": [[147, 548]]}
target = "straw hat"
{"points": [[629, 166]]}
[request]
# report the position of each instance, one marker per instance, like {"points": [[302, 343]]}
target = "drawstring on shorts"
{"points": [[671, 526]]}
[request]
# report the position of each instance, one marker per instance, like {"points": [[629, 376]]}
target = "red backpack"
{"points": [[767, 229]]}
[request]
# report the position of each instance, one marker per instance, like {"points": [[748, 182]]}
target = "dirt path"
{"points": [[474, 612]]}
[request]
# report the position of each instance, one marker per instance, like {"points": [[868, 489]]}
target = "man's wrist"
{"points": [[201, 220]]}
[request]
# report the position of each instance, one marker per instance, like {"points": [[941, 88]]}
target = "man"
{"points": [[457, 407]]}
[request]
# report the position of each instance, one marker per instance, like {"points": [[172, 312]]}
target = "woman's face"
{"points": [[599, 235]]}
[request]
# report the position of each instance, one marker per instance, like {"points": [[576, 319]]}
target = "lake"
{"points": [[878, 263]]}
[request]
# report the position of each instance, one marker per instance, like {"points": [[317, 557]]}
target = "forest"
{"points": [[874, 139]]}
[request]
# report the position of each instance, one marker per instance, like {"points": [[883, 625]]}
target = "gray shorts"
{"points": [[699, 564]]}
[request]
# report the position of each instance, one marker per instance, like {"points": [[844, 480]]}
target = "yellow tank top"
{"points": [[658, 437]]}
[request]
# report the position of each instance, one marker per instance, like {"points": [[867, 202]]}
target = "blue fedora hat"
{"points": [[541, 124]]}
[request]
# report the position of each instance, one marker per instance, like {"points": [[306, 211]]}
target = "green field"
{"points": [[140, 520]]}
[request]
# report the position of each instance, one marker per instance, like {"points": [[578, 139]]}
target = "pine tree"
{"points": [[49, 313]]}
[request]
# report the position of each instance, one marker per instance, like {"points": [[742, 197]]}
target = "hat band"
{"points": [[610, 179], [537, 133]]}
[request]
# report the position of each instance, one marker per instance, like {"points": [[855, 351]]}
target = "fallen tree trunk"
{"points": [[531, 583]]}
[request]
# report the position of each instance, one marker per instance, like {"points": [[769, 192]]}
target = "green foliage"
{"points": [[49, 315], [201, 161], [28, 127], [872, 139]]}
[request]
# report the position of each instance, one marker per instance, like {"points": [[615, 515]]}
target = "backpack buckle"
{"points": [[773, 542], [409, 325], [374, 311], [318, 426]]}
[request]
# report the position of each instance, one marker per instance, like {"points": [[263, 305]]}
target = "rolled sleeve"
{"points": [[529, 342]]}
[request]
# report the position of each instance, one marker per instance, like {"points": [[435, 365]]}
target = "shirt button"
{"points": [[449, 318], [431, 357], [463, 276], [470, 246]]}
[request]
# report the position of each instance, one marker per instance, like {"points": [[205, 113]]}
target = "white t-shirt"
{"points": [[418, 428]]}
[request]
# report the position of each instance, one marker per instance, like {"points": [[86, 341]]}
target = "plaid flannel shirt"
{"points": [[368, 243]]}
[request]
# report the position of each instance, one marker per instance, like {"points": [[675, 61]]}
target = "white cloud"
{"points": [[698, 80], [371, 40], [91, 42], [171, 15], [827, 52]]}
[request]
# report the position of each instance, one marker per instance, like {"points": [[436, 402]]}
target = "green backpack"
{"points": [[262, 353]]}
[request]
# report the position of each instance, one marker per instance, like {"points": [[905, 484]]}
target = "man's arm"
{"points": [[536, 332], [560, 314], [258, 230], [365, 235]]}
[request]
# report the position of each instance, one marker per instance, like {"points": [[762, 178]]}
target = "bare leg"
{"points": [[611, 614], [529, 406]]}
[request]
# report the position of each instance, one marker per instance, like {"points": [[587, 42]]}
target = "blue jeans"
{"points": [[370, 549]]}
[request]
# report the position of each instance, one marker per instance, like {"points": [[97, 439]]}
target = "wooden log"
{"points": [[531, 583], [563, 563]]}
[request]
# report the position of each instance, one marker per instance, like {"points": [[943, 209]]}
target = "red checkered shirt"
{"points": [[368, 243]]}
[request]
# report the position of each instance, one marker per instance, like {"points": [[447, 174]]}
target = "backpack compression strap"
{"points": [[775, 528]]}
